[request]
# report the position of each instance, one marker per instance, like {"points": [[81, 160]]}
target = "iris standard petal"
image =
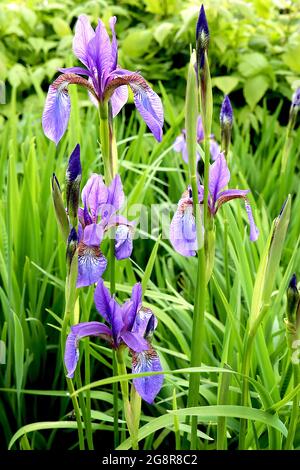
{"points": [[91, 264], [254, 232], [141, 322], [79, 331], [134, 341], [123, 242], [219, 176], [93, 234], [115, 199], [83, 34], [114, 44], [183, 229], [147, 361], [102, 300], [77, 70], [130, 307], [100, 57], [94, 194]]}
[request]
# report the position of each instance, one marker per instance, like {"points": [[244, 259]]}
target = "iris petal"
{"points": [[219, 176], [123, 242], [254, 232], [83, 34], [146, 100], [56, 112], [91, 264], [79, 331], [119, 99], [147, 361], [183, 229]]}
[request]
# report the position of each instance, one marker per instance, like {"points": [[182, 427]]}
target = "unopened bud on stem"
{"points": [[73, 179]]}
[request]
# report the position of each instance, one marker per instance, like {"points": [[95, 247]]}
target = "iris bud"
{"points": [[226, 118], [73, 179], [59, 208]]}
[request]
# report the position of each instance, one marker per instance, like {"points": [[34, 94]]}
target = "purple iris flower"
{"points": [[131, 325], [105, 82], [181, 146], [183, 227], [98, 215]]}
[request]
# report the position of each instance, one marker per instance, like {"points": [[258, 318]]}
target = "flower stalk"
{"points": [[199, 301]]}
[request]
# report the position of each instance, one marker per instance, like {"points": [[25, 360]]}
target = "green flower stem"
{"points": [[105, 142], [70, 295], [110, 164], [131, 419], [191, 114], [226, 258], [295, 410]]}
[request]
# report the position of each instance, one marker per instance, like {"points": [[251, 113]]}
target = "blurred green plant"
{"points": [[255, 48]]}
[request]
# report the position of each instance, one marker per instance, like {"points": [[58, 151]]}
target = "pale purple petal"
{"points": [[219, 176], [147, 361], [102, 300], [123, 242], [56, 112], [134, 341], [77, 70], [93, 234], [83, 34], [180, 146], [214, 149], [94, 194], [91, 265], [183, 229], [115, 199], [131, 307], [136, 297], [200, 130], [254, 232], [79, 331], [143, 317], [109, 309], [146, 100], [100, 56], [117, 324], [200, 192], [119, 99], [114, 45]]}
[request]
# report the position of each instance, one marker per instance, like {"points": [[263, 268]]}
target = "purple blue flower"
{"points": [[97, 216], [183, 227], [105, 82], [181, 146], [130, 325]]}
